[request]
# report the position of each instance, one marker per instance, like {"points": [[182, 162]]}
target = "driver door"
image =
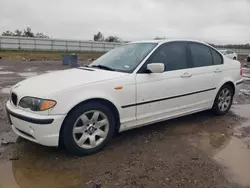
{"points": [[162, 95]]}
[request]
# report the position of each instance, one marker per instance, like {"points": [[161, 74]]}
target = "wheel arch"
{"points": [[229, 83], [105, 102]]}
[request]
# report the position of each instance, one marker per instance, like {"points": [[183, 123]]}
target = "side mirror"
{"points": [[156, 67]]}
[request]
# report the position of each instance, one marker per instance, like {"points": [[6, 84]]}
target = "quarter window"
{"points": [[201, 55], [172, 55], [216, 57]]}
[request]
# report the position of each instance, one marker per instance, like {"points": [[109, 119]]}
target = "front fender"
{"points": [[69, 99]]}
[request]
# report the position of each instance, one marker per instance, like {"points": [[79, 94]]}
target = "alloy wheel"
{"points": [[91, 129], [224, 99]]}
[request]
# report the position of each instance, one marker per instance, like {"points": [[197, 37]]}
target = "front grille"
{"points": [[14, 98]]}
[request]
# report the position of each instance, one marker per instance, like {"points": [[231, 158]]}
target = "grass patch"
{"points": [[45, 55]]}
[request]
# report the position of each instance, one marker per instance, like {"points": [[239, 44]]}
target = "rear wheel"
{"points": [[88, 128], [223, 100]]}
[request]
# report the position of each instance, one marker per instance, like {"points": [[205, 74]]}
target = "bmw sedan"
{"points": [[134, 85]]}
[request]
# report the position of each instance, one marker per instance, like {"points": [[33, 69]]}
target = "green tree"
{"points": [[159, 38], [28, 33], [7, 33], [112, 39], [99, 37], [18, 33], [41, 35]]}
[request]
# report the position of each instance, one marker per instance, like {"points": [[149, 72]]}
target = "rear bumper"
{"points": [[40, 129], [238, 85]]}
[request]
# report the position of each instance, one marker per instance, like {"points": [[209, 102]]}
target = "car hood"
{"points": [[46, 84]]}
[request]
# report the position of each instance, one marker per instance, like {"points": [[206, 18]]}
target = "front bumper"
{"points": [[40, 129]]}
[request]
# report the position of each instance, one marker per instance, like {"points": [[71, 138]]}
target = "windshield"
{"points": [[124, 58]]}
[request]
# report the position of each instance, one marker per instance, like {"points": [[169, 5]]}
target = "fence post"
{"points": [[80, 46], [52, 45], [0, 43], [91, 46], [35, 43], [19, 44], [66, 46]]}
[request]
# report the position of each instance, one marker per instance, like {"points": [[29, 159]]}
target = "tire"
{"points": [[218, 107], [88, 127]]}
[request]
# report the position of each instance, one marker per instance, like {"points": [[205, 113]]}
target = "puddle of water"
{"points": [[17, 174], [7, 178], [6, 72], [236, 158], [242, 110], [30, 69], [51, 71], [27, 74], [210, 142], [5, 90]]}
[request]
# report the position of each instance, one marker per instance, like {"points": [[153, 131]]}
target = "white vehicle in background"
{"points": [[230, 54], [136, 84]]}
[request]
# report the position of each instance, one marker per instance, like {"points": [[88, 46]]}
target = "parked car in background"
{"points": [[136, 84], [230, 54], [248, 58]]}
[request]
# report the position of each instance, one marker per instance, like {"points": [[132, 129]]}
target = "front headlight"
{"points": [[36, 104]]}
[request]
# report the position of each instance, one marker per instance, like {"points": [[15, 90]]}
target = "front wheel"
{"points": [[223, 100], [88, 128]]}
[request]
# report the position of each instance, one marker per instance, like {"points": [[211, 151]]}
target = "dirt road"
{"points": [[200, 150]]}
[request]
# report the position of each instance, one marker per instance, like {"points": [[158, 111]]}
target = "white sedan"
{"points": [[230, 54], [136, 84]]}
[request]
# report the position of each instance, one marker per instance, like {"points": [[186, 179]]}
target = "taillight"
{"points": [[241, 73]]}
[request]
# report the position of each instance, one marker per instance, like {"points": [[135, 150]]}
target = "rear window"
{"points": [[201, 55], [216, 57]]}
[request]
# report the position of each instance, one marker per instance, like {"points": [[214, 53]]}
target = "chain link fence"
{"points": [[40, 44]]}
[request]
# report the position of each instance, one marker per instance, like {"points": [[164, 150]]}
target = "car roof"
{"points": [[167, 40]]}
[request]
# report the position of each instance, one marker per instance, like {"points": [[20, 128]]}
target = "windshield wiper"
{"points": [[103, 67]]}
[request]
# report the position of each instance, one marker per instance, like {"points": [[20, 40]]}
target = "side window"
{"points": [[216, 57], [201, 55], [173, 55]]}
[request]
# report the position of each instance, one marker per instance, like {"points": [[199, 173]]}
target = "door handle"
{"points": [[217, 71], [186, 75]]}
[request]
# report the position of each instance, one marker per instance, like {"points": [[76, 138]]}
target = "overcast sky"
{"points": [[217, 21]]}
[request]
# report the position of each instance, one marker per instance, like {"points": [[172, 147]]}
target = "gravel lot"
{"points": [[200, 150]]}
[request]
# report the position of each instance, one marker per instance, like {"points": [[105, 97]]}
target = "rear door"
{"points": [[206, 74]]}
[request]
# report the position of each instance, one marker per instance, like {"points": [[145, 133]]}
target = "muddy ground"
{"points": [[200, 150]]}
